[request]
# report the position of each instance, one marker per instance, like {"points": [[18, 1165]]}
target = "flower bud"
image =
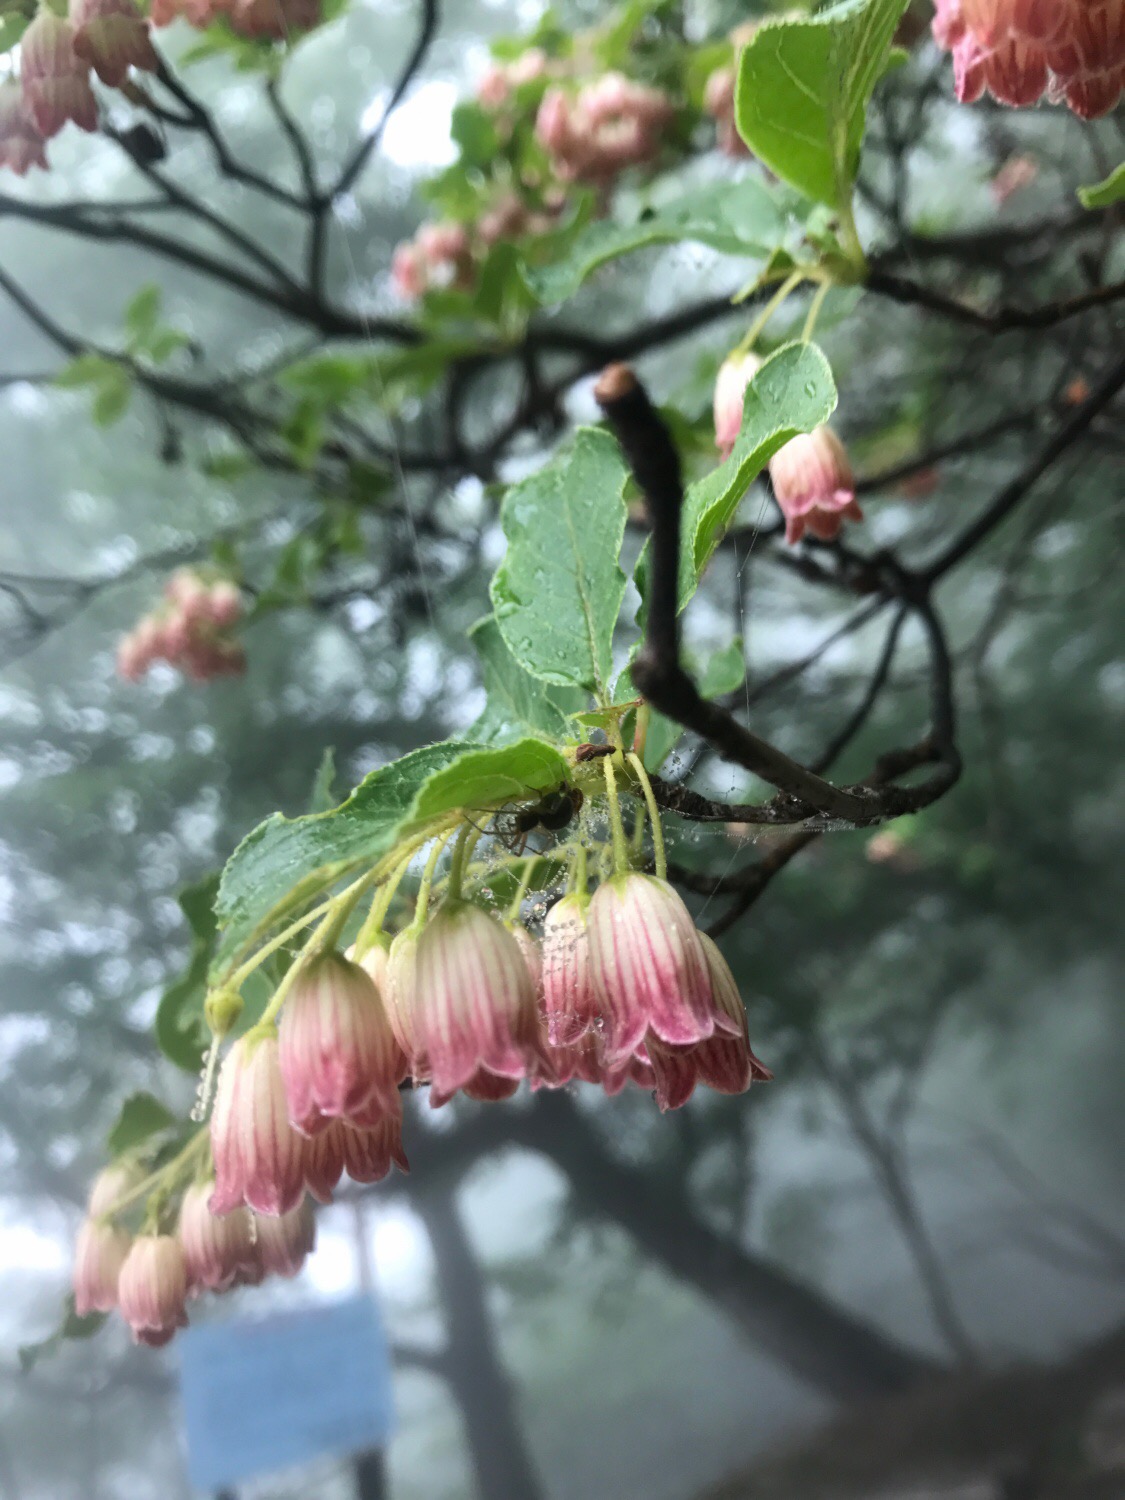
{"points": [[570, 1004], [258, 1155], [337, 1052], [21, 143], [98, 1257], [814, 486], [54, 79], [111, 1185], [221, 1009], [475, 1000], [219, 1250], [285, 1242], [648, 966], [112, 36], [152, 1289], [735, 374]]}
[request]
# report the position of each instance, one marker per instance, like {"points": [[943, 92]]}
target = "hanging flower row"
{"points": [[612, 985]]}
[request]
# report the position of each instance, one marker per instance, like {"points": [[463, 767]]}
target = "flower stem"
{"points": [[814, 310], [753, 333], [659, 857], [154, 1180], [521, 890], [620, 858], [457, 864], [421, 905]]}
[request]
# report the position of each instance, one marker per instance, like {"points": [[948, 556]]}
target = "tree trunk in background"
{"points": [[842, 1356], [471, 1360]]}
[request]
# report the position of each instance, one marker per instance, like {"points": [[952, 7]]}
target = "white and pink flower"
{"points": [[474, 1003], [22, 145], [648, 966], [219, 1249], [152, 1290], [98, 1257], [814, 485], [112, 36], [259, 1157], [337, 1052], [54, 79]]}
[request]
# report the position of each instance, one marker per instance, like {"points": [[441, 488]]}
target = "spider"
{"points": [[553, 812]]}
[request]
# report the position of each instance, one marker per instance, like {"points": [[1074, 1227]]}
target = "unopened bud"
{"points": [[221, 1010]]}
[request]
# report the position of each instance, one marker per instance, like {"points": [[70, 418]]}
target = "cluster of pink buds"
{"points": [[501, 80], [264, 20], [1019, 50], [445, 254], [149, 1276], [439, 255], [191, 629], [811, 475], [56, 58], [611, 124]]}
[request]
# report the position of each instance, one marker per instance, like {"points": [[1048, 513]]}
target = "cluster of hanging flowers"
{"points": [[1020, 50], [610, 987], [192, 629], [175, 1255], [608, 125], [811, 474], [57, 56]]}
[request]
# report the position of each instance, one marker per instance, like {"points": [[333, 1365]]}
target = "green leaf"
{"points": [[285, 862], [143, 313], [182, 1033], [1102, 194], [793, 392], [803, 89], [743, 218], [321, 798], [83, 370], [724, 671], [488, 777], [558, 591], [140, 1117], [12, 27], [112, 397], [71, 1326], [517, 702]]}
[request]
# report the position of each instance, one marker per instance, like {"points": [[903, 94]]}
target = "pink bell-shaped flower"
{"points": [[570, 1004], [153, 1288], [725, 1061], [401, 995], [475, 1000], [258, 1155], [219, 1250], [285, 1241], [21, 142], [98, 1257], [735, 374], [814, 485], [54, 79], [337, 1051], [649, 967], [112, 36]]}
